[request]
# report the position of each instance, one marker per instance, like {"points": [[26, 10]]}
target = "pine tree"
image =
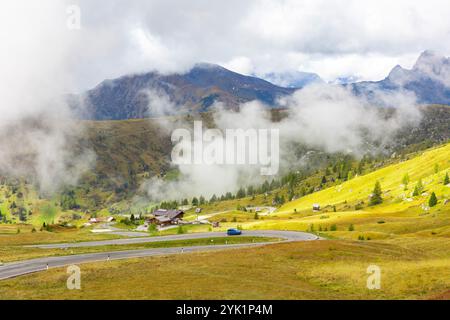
{"points": [[376, 195], [405, 181], [350, 175], [265, 187], [446, 179], [433, 200], [418, 188], [436, 168], [361, 166], [291, 195], [241, 193]]}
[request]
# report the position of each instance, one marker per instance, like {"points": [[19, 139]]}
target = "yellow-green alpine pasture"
{"points": [[406, 238]]}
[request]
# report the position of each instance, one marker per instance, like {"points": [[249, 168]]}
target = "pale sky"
{"points": [[333, 38]]}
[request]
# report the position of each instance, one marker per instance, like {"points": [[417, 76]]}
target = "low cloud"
{"points": [[322, 117], [357, 39], [38, 133]]}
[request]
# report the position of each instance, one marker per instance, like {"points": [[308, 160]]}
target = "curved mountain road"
{"points": [[14, 269], [287, 235]]}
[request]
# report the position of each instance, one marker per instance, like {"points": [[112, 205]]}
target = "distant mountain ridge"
{"points": [[294, 79], [429, 80], [197, 90], [154, 94]]}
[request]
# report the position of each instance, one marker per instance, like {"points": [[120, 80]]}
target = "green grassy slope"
{"points": [[345, 212], [396, 198]]}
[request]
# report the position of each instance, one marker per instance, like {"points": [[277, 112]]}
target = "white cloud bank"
{"points": [[321, 116], [333, 38], [41, 59], [37, 133]]}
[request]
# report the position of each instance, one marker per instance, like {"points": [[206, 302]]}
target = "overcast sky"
{"points": [[333, 38]]}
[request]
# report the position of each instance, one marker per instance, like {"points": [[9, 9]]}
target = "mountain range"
{"points": [[141, 95], [131, 96], [292, 79], [429, 79]]}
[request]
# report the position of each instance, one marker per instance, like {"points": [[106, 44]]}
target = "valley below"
{"points": [[403, 235]]}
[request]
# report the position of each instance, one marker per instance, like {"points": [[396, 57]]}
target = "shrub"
{"points": [[180, 230], [351, 227], [333, 227], [152, 228]]}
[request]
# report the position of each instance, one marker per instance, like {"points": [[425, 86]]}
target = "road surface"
{"points": [[286, 235], [14, 269]]}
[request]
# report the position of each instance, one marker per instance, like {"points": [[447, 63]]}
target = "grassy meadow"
{"points": [[333, 269], [404, 236]]}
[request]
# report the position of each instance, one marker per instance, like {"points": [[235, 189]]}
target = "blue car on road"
{"points": [[233, 232]]}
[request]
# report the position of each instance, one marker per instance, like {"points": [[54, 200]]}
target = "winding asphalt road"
{"points": [[14, 269]]}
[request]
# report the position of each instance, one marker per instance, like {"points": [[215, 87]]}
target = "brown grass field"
{"points": [[331, 269]]}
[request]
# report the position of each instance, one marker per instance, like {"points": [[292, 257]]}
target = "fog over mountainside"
{"points": [[131, 152], [195, 91], [206, 84], [37, 128], [40, 132], [320, 117]]}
